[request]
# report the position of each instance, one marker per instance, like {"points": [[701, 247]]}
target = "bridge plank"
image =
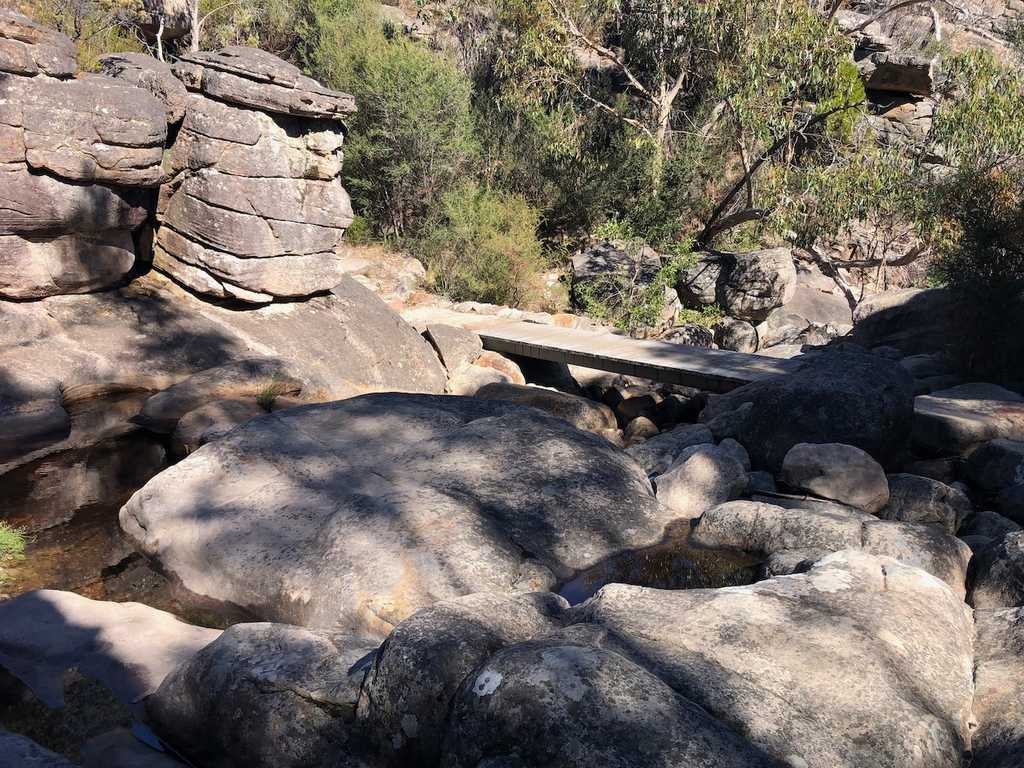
{"points": [[708, 369]]}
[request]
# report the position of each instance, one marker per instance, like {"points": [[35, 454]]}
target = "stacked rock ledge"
{"points": [[253, 209], [76, 160]]}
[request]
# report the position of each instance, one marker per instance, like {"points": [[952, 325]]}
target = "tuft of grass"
{"points": [[269, 394], [12, 542]]}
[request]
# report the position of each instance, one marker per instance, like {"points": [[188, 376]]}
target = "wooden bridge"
{"points": [[707, 369]]}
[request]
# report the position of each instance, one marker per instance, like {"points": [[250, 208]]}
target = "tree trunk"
{"points": [[196, 23]]}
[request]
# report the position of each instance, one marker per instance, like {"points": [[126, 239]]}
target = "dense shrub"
{"points": [[485, 248]]}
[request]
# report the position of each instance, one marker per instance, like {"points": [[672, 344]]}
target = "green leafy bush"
{"points": [[412, 139], [485, 248]]}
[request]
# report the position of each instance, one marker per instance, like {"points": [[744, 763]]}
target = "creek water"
{"points": [[673, 563]]}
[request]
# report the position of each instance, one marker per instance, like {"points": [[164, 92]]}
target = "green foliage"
{"points": [[485, 248], [12, 543], [96, 26], [359, 232], [706, 316], [412, 139], [633, 302]]}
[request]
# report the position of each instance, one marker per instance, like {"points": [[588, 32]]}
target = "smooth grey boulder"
{"points": [[838, 396], [951, 422], [702, 477], [748, 286], [996, 465], [563, 703], [988, 525], [582, 413], [998, 739], [253, 78], [914, 320], [455, 346], [737, 451], [816, 669], [266, 694], [736, 335], [640, 428], [34, 268], [28, 48], [92, 129], [212, 421], [657, 454], [19, 751], [757, 282], [253, 378], [914, 499], [838, 472], [152, 75], [768, 529], [128, 647], [353, 515], [996, 576], [697, 286], [409, 691]]}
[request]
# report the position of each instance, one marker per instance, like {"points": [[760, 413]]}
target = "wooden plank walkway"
{"points": [[707, 369]]}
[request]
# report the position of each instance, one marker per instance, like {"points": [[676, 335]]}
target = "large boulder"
{"points": [[758, 282], [996, 578], [915, 499], [604, 267], [998, 739], [561, 702], [914, 321], [816, 669], [657, 454], [579, 411], [777, 532], [408, 694], [255, 210], [28, 48], [747, 286], [996, 465], [702, 477], [128, 647], [352, 515], [840, 396], [75, 371], [838, 472], [265, 694], [951, 422]]}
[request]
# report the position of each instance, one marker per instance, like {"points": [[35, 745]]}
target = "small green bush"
{"points": [[485, 248], [12, 543]]}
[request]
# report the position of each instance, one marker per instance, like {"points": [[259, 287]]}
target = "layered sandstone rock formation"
{"points": [[254, 209], [76, 157]]}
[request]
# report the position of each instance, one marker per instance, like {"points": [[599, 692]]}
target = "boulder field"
{"points": [[396, 548]]}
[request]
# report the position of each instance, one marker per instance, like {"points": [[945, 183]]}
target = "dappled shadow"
{"points": [[350, 516]]}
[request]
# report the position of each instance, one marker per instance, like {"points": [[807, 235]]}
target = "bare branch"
{"points": [[898, 6], [712, 227], [604, 52]]}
